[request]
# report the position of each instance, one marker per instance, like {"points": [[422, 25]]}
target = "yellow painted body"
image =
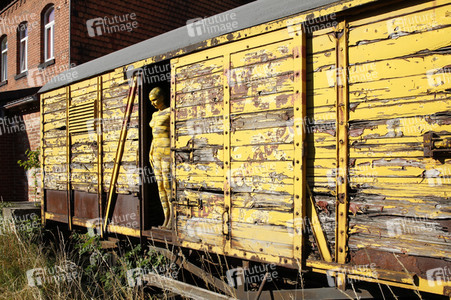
{"points": [[258, 131]]}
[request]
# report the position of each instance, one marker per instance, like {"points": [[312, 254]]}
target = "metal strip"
{"points": [[174, 63], [341, 227], [226, 230], [318, 233], [68, 146], [99, 129], [299, 92], [41, 157]]}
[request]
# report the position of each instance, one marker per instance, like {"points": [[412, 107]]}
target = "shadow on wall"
{"points": [[19, 131]]}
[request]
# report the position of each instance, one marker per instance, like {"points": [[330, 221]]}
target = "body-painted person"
{"points": [[160, 151]]}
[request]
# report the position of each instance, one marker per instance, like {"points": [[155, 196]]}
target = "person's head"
{"points": [[156, 97]]}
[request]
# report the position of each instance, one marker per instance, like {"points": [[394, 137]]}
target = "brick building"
{"points": [[42, 38]]}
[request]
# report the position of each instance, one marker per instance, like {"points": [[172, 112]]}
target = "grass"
{"points": [[74, 266]]}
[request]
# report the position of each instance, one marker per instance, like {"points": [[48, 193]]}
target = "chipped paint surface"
{"points": [[235, 133]]}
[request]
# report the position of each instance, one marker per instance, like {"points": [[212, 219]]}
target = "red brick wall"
{"points": [[31, 10], [153, 18]]}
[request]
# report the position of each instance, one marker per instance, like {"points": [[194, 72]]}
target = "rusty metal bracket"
{"points": [[436, 144], [342, 145]]}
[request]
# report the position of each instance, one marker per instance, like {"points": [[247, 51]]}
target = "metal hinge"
{"points": [[436, 144]]}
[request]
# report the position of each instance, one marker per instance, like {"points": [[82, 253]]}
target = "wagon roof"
{"points": [[248, 15]]}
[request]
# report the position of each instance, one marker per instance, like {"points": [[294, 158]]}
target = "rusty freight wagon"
{"points": [[312, 135]]}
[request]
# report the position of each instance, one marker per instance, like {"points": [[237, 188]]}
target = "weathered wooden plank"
{"points": [[131, 146], [262, 103], [379, 205], [396, 12], [84, 97], [261, 71], [276, 170], [321, 61], [262, 232], [260, 217], [200, 68], [263, 201], [49, 109], [207, 154], [250, 245], [199, 230], [283, 152], [200, 140], [398, 68], [278, 118], [385, 49], [200, 183], [55, 133], [265, 86], [262, 54], [207, 96], [199, 83], [375, 110], [55, 125], [55, 151], [280, 135], [261, 185], [399, 127], [200, 111], [54, 142], [132, 134], [208, 169], [200, 126], [418, 248], [59, 97], [400, 25], [413, 229]]}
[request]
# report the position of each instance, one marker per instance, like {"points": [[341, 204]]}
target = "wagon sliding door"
{"points": [[238, 159]]}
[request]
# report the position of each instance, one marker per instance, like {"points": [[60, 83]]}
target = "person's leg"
{"points": [[159, 175], [165, 168]]}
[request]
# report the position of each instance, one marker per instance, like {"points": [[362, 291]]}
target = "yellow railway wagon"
{"points": [[314, 136]]}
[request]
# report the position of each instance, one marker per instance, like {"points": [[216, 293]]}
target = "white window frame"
{"points": [[4, 62], [25, 50], [50, 25]]}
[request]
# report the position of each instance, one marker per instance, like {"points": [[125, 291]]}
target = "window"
{"points": [[49, 24], [4, 60], [23, 47]]}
